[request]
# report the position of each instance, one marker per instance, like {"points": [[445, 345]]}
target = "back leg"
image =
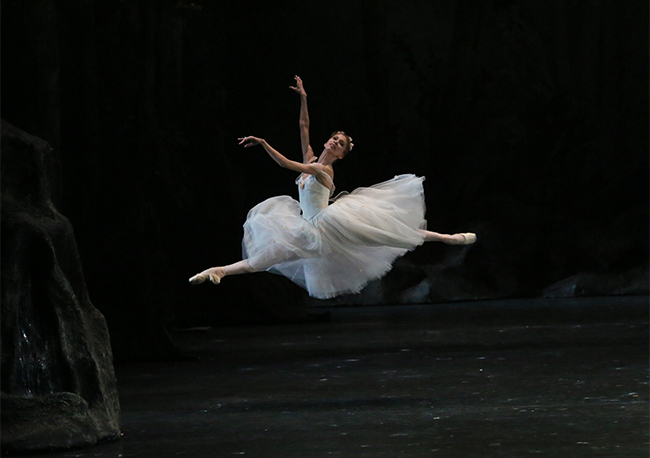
{"points": [[466, 238]]}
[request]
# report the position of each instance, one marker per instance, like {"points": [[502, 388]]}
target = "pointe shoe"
{"points": [[214, 275], [198, 278], [469, 238]]}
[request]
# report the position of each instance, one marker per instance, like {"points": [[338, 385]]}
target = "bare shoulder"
{"points": [[322, 168], [329, 170], [325, 174]]}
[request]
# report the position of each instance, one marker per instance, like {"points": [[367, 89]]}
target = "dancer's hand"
{"points": [[299, 87], [249, 141]]}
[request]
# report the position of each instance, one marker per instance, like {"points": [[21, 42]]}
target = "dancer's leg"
{"points": [[240, 267], [215, 274], [466, 238], [270, 257]]}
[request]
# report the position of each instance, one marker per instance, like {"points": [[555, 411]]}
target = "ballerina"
{"points": [[337, 248]]}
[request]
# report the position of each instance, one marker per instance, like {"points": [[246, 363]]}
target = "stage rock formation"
{"points": [[58, 383]]}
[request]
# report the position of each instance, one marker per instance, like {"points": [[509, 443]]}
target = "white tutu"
{"points": [[346, 244]]}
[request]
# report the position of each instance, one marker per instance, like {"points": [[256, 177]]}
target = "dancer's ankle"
{"points": [[216, 274]]}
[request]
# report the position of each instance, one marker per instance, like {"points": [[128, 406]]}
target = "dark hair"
{"points": [[349, 146]]}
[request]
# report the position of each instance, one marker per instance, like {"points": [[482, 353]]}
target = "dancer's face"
{"points": [[337, 145]]}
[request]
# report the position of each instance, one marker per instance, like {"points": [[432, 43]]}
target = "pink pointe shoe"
{"points": [[469, 238], [214, 275]]}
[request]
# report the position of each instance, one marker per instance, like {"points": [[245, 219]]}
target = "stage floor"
{"points": [[516, 378]]}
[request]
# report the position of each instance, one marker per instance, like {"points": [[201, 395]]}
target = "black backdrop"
{"points": [[528, 118]]}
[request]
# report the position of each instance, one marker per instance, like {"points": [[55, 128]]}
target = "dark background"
{"points": [[529, 120]]}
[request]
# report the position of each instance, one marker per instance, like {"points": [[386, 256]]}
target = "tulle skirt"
{"points": [[346, 245]]}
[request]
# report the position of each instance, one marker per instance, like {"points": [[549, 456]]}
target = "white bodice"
{"points": [[313, 196]]}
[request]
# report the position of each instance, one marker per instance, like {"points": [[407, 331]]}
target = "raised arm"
{"points": [[307, 152], [321, 172]]}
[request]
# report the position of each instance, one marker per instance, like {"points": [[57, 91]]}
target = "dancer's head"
{"points": [[339, 144]]}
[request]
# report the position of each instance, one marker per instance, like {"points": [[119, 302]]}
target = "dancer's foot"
{"points": [[466, 238], [214, 274]]}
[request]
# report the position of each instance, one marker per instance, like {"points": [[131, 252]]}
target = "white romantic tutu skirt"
{"points": [[346, 245]]}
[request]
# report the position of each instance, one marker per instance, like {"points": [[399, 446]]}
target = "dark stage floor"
{"points": [[564, 378]]}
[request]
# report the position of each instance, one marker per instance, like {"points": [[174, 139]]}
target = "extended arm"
{"points": [[307, 152], [318, 170]]}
